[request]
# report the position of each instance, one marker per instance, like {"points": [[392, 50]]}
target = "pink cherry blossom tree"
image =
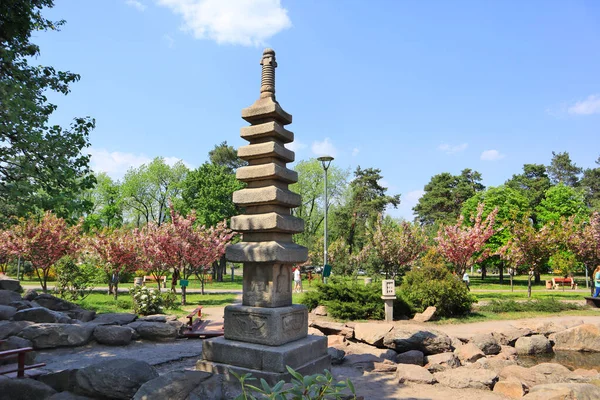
{"points": [[583, 239]]}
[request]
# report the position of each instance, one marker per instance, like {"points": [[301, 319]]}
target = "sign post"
{"points": [[388, 295]]}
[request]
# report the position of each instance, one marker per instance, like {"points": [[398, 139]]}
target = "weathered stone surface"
{"points": [[41, 315], [538, 375], [492, 363], [365, 361], [7, 312], [468, 353], [11, 328], [415, 357], [114, 318], [363, 348], [71, 309], [536, 344], [213, 388], [30, 294], [156, 331], [333, 328], [271, 129], [508, 336], [114, 378], [61, 381], [24, 389], [11, 284], [547, 328], [315, 331], [267, 252], [508, 352], [447, 360], [406, 373], [337, 355], [15, 342], [268, 222], [564, 391], [487, 344], [372, 333], [271, 195], [580, 338], [264, 150], [511, 387], [68, 396], [44, 336], [333, 340], [8, 296], [320, 310], [266, 171], [175, 385], [385, 366], [113, 335], [410, 337], [425, 316], [462, 378], [266, 286], [22, 304]]}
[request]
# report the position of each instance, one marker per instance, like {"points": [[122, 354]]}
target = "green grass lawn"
{"points": [[522, 294]]}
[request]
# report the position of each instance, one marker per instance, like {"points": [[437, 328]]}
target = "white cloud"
{"points": [[295, 146], [408, 201], [449, 149], [355, 151], [589, 106], [245, 22], [324, 148], [168, 39], [492, 155], [138, 5], [116, 163], [174, 160]]}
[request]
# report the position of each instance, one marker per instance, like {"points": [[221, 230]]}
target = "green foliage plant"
{"points": [[547, 305], [436, 286], [147, 301], [310, 387], [75, 281]]}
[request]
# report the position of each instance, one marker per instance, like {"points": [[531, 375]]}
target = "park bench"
{"points": [[202, 328], [20, 368], [556, 282], [152, 279]]}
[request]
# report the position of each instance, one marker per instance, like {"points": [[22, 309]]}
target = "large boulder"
{"points": [[365, 362], [7, 312], [46, 336], [540, 374], [536, 344], [24, 389], [415, 357], [442, 361], [71, 309], [68, 396], [508, 336], [41, 315], [468, 353], [11, 328], [426, 316], [363, 348], [412, 337], [320, 311], [547, 328], [511, 387], [155, 331], [175, 385], [414, 374], [487, 344], [8, 296], [113, 335], [372, 333], [11, 284], [15, 342], [580, 338], [493, 363], [337, 355], [213, 388], [563, 391], [30, 294], [114, 319], [333, 328], [463, 378], [114, 378]]}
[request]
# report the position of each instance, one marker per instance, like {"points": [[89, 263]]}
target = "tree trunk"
{"points": [[202, 286], [538, 278], [512, 288], [222, 268], [592, 281], [116, 285], [214, 271], [501, 273], [183, 297], [483, 272], [529, 285]]}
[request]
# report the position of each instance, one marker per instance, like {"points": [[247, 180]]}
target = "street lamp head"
{"points": [[325, 161]]}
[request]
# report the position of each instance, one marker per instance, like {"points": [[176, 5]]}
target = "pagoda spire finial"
{"points": [[267, 82]]}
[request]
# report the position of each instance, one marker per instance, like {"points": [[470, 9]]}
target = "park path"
{"points": [[104, 289]]}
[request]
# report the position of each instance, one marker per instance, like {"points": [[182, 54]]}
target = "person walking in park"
{"points": [[174, 280], [597, 281], [297, 280], [466, 280]]}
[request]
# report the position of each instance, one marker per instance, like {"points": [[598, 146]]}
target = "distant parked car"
{"points": [[360, 272]]}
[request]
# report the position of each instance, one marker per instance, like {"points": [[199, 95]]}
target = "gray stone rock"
{"points": [[71, 309], [11, 328], [15, 342], [579, 338], [410, 337], [508, 336], [114, 318], [333, 328], [493, 363], [45, 336], [320, 311], [363, 348], [41, 315], [415, 357], [337, 355], [175, 385], [8, 296], [158, 318], [536, 344], [213, 388], [463, 378], [68, 396], [468, 353], [114, 335], [61, 381], [30, 294], [512, 387], [560, 391], [156, 331], [371, 332], [540, 374], [11, 284], [414, 374], [445, 360], [24, 389], [22, 305], [487, 344], [7, 312], [365, 362], [114, 378], [426, 316]]}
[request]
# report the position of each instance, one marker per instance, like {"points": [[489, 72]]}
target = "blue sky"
{"points": [[414, 88]]}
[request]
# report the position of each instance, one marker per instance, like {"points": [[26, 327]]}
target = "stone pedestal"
{"points": [[266, 333], [389, 307]]}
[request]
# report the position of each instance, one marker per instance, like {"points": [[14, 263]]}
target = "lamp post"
{"points": [[325, 162]]}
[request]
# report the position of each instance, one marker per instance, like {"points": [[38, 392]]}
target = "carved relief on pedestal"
{"points": [[250, 323], [292, 322], [284, 281]]}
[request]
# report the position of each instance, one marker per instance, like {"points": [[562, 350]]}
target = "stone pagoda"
{"points": [[267, 332]]}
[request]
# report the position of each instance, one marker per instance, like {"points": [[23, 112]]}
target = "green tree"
{"points": [[209, 190], [107, 210], [444, 196], [533, 184], [226, 156], [561, 201], [590, 183], [41, 165], [563, 170]]}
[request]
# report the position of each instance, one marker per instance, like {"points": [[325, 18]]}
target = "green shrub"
{"points": [[550, 305], [148, 301], [75, 281], [436, 286]]}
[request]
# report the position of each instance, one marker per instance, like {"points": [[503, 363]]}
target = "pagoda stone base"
{"points": [[307, 356], [268, 326]]}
